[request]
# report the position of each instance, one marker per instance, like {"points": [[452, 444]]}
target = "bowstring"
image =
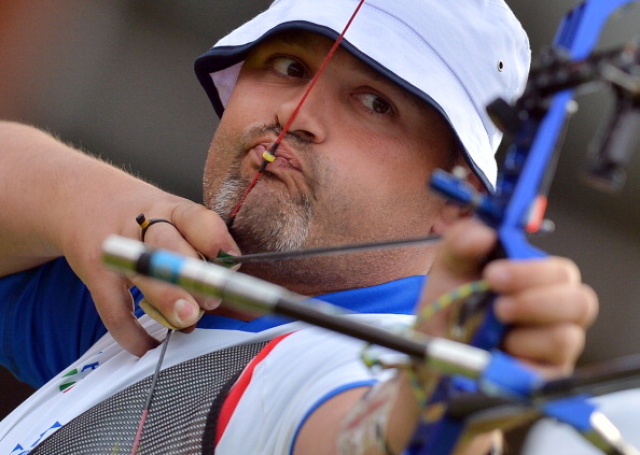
{"points": [[267, 157], [147, 405], [270, 155]]}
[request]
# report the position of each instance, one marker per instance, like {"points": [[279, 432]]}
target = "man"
{"points": [[351, 169]]}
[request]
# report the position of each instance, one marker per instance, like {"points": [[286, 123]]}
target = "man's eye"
{"points": [[376, 103], [289, 67]]}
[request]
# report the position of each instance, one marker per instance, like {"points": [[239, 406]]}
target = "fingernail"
{"points": [[186, 312], [154, 314], [227, 260], [236, 265], [211, 303]]}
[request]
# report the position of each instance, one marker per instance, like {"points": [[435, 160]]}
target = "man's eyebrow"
{"points": [[306, 41], [371, 73]]}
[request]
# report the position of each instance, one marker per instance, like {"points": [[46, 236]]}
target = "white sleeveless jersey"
{"points": [[264, 413]]}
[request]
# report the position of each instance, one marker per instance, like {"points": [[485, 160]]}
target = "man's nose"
{"points": [[308, 113]]}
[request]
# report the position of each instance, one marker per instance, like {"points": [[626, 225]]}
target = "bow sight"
{"points": [[556, 72]]}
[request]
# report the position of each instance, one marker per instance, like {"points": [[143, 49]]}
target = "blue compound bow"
{"points": [[536, 121]]}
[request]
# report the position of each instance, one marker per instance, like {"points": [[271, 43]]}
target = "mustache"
{"points": [[300, 141]]}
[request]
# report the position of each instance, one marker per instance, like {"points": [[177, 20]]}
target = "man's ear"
{"points": [[450, 212]]}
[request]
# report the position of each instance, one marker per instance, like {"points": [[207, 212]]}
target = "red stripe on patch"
{"points": [[232, 400]]}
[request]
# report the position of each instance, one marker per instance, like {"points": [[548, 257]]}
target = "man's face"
{"points": [[353, 168]]}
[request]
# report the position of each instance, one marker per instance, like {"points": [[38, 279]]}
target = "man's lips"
{"points": [[285, 158]]}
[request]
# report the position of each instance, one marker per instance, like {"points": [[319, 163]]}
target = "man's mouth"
{"points": [[285, 158]]}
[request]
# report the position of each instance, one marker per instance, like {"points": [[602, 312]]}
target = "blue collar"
{"points": [[395, 297]]}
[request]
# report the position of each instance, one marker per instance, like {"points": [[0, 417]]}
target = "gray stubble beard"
{"points": [[281, 225]]}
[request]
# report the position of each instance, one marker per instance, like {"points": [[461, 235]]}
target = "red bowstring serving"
{"points": [[255, 179], [294, 114]]}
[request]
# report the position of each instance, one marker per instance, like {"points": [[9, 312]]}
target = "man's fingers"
{"points": [[505, 276], [115, 306], [170, 305], [193, 231], [547, 305], [168, 237], [531, 292], [175, 307], [465, 246], [554, 345], [205, 230]]}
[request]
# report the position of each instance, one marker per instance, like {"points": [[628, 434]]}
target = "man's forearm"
{"points": [[46, 190], [375, 421], [405, 414]]}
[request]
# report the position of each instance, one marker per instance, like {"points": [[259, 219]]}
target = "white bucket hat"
{"points": [[458, 56]]}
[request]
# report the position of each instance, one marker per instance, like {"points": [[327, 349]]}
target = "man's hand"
{"points": [[193, 229], [543, 302], [57, 201]]}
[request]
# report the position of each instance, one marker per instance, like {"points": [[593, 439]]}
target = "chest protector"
{"points": [[183, 416]]}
